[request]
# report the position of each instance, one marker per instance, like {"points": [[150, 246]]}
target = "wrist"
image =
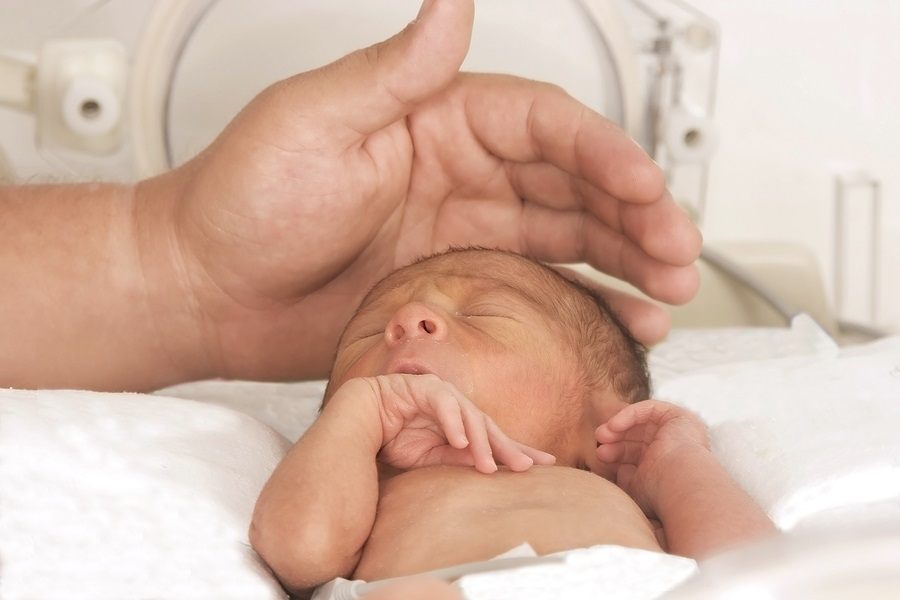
{"points": [[678, 472], [170, 290], [356, 407]]}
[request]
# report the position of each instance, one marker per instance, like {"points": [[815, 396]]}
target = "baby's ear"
{"points": [[604, 405]]}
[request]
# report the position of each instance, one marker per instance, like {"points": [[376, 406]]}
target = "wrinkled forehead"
{"points": [[479, 269]]}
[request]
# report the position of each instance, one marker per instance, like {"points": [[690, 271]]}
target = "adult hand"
{"points": [[329, 180]]}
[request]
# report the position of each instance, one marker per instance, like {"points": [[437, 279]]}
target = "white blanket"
{"points": [[121, 495], [585, 574], [110, 496]]}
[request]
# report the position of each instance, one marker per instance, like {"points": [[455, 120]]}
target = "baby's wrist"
{"points": [[355, 405], [675, 472]]}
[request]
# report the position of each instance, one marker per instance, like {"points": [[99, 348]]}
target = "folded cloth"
{"points": [[587, 573], [347, 589], [519, 574]]}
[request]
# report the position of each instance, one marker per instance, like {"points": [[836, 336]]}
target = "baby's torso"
{"points": [[440, 516]]}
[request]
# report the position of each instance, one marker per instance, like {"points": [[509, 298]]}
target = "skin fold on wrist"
{"points": [[170, 283]]}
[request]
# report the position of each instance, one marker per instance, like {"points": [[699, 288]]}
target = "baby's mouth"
{"points": [[409, 368]]}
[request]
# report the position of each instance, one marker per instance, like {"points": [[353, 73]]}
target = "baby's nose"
{"points": [[415, 320]]}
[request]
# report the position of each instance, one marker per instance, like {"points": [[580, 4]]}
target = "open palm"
{"points": [[329, 180]]}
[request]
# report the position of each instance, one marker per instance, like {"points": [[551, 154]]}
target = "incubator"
{"points": [[127, 89]]}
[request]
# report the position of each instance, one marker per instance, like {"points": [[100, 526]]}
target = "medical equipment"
{"points": [[129, 102], [844, 184]]}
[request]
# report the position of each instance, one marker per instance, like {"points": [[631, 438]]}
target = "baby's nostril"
{"points": [[428, 326]]}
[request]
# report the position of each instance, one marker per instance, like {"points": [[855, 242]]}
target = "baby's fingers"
{"points": [[508, 451], [647, 411], [625, 452], [611, 453], [449, 415], [538, 456], [605, 435], [479, 444]]}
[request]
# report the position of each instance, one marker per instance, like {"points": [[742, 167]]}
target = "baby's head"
{"points": [[541, 355]]}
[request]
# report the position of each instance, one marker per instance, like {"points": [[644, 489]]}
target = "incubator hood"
{"points": [[124, 89]]}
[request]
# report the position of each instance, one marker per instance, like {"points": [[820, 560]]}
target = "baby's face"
{"points": [[483, 329]]}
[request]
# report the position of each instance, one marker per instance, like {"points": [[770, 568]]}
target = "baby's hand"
{"points": [[641, 438], [428, 421]]}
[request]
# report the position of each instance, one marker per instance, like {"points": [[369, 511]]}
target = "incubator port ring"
{"points": [[172, 22]]}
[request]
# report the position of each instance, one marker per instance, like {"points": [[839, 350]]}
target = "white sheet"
{"points": [[808, 433], [111, 496], [586, 574], [117, 495]]}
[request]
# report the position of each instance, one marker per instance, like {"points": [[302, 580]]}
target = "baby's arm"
{"points": [[316, 512], [663, 460]]}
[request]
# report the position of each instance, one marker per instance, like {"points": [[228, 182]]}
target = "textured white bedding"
{"points": [[121, 495], [128, 496]]}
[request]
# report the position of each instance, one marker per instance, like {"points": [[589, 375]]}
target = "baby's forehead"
{"points": [[479, 272]]}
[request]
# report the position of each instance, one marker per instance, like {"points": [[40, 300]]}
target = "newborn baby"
{"points": [[479, 400]]}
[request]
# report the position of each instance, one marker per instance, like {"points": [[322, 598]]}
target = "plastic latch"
{"points": [[80, 95]]}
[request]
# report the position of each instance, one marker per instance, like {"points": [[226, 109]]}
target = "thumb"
{"points": [[373, 87]]}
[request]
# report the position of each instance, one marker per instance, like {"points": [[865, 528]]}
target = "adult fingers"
{"points": [[660, 229], [526, 121], [373, 87], [570, 236]]}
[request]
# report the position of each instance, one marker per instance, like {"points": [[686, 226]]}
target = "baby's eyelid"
{"points": [[482, 309], [366, 336], [485, 313]]}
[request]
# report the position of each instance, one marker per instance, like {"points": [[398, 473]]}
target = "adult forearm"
{"points": [[702, 509], [87, 302]]}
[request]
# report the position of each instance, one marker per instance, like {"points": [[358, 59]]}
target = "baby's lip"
{"points": [[409, 367]]}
